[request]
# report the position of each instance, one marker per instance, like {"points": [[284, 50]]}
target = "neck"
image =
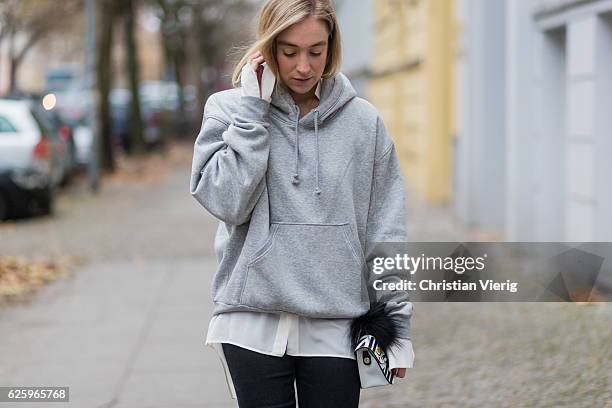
{"points": [[305, 101]]}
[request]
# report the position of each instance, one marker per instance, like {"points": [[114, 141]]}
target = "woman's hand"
{"points": [[256, 78], [401, 357], [399, 372], [256, 60]]}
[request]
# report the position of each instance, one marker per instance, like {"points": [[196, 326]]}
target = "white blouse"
{"points": [[279, 333]]}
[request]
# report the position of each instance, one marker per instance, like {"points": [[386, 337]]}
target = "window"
{"points": [[6, 126], [44, 125]]}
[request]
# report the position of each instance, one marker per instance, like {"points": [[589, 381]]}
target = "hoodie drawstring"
{"points": [[316, 123], [296, 179]]}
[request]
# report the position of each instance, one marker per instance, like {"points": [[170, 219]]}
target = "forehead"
{"points": [[306, 33]]}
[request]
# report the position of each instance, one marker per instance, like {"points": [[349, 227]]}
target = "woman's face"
{"points": [[301, 54]]}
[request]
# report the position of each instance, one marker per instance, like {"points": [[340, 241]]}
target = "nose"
{"points": [[303, 66]]}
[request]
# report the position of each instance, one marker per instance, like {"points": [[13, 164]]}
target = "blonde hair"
{"points": [[278, 15]]}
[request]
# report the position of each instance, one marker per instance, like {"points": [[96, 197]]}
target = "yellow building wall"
{"points": [[412, 85]]}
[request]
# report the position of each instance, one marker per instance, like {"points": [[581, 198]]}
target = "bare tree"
{"points": [[199, 33], [6, 11], [26, 22], [218, 27], [137, 143], [172, 14], [106, 13]]}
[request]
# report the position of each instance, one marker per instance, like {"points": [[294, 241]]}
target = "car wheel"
{"points": [[42, 205], [3, 207], [65, 179], [46, 205]]}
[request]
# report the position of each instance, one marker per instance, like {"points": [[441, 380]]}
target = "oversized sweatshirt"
{"points": [[302, 202]]}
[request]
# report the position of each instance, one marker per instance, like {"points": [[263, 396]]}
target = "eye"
{"points": [[289, 55], [316, 54]]}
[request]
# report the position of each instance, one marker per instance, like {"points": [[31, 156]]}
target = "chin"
{"points": [[299, 90]]}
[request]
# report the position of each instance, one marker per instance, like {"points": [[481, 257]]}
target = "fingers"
{"points": [[256, 60], [399, 372], [256, 55]]}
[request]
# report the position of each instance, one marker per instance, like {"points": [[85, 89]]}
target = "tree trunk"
{"points": [[106, 14], [136, 135], [200, 57], [12, 67]]}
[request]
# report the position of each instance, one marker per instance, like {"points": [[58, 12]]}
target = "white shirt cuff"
{"points": [[401, 355]]}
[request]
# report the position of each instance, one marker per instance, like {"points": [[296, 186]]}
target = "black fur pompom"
{"points": [[379, 324]]}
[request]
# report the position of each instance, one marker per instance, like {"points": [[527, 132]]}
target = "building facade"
{"points": [[412, 83], [500, 108], [568, 193], [536, 90], [357, 27], [480, 149]]}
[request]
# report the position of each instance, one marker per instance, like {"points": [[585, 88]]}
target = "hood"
{"points": [[335, 93]]}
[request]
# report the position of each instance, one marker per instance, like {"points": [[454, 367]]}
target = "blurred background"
{"points": [[499, 110], [104, 78]]}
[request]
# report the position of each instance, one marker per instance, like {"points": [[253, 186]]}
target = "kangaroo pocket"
{"points": [[308, 269]]}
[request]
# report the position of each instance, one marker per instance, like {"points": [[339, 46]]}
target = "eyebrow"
{"points": [[281, 42]]}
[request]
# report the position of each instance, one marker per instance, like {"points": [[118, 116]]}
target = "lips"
{"points": [[302, 79]]}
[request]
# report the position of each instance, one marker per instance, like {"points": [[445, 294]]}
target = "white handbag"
{"points": [[373, 363], [371, 334]]}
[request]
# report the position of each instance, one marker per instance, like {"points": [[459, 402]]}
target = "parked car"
{"points": [[119, 101], [65, 133], [73, 106], [83, 141], [30, 160], [158, 106], [48, 113]]}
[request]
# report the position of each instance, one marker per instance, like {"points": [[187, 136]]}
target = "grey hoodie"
{"points": [[301, 202]]}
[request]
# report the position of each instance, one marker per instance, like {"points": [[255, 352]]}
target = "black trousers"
{"points": [[264, 381]]}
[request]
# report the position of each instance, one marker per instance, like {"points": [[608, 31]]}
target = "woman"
{"points": [[305, 180]]}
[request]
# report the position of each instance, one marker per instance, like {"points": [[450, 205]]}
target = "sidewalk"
{"points": [[121, 334], [531, 355], [127, 331], [439, 223]]}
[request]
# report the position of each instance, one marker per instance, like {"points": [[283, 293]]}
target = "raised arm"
{"points": [[230, 158]]}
